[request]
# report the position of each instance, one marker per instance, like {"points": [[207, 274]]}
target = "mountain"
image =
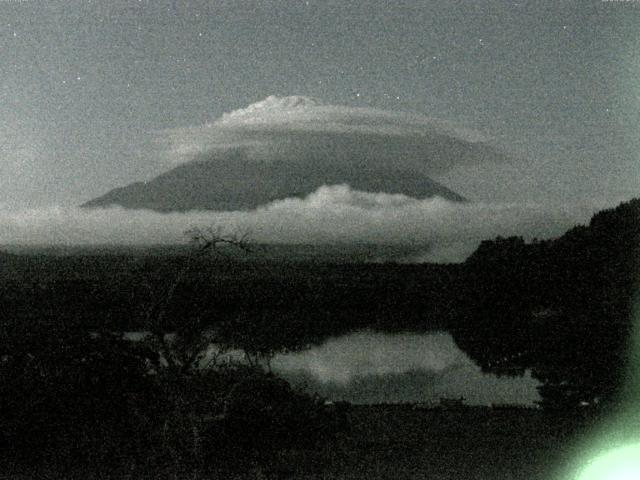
{"points": [[233, 180]]}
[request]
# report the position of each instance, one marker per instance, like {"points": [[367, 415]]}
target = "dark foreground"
{"points": [[473, 443], [79, 400], [400, 442]]}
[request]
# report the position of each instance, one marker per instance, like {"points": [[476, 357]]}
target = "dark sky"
{"points": [[87, 87]]}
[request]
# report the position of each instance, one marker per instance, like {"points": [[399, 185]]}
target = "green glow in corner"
{"points": [[620, 464], [612, 451]]}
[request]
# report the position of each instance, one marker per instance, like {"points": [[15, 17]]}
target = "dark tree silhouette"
{"points": [[74, 396], [560, 307]]}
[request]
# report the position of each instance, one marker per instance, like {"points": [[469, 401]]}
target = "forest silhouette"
{"points": [[77, 392]]}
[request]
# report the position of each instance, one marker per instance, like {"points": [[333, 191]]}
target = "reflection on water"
{"points": [[367, 367]]}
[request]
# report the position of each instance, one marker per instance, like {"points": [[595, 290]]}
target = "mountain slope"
{"points": [[233, 181]]}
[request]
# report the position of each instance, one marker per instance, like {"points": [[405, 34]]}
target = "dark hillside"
{"points": [[561, 307], [75, 393], [325, 299]]}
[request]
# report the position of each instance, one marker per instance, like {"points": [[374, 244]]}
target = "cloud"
{"points": [[298, 113], [447, 231], [297, 128]]}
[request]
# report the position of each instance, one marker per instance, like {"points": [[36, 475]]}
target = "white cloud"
{"points": [[448, 230], [296, 128], [298, 113]]}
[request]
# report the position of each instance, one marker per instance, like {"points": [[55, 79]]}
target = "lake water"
{"points": [[371, 367], [368, 367]]}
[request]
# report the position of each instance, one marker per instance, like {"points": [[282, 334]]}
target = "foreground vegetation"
{"points": [[77, 394], [389, 442]]}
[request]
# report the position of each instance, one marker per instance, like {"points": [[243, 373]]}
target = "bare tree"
{"points": [[184, 350]]}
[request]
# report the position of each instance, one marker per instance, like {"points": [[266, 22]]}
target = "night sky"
{"points": [[88, 88]]}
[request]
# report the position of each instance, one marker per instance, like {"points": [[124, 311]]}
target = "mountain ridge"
{"points": [[233, 181]]}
